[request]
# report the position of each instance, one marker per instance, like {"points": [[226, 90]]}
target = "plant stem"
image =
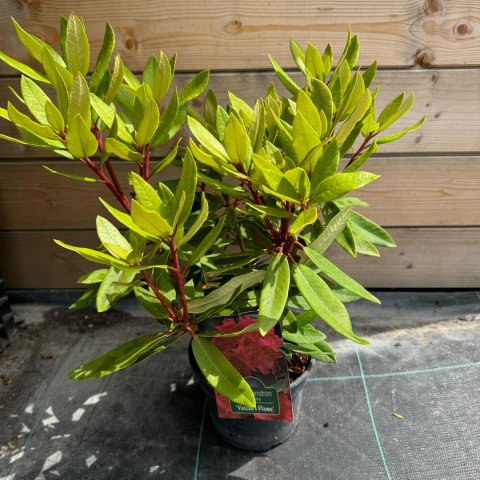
{"points": [[114, 178], [361, 149], [123, 200], [180, 280], [146, 168], [159, 296]]}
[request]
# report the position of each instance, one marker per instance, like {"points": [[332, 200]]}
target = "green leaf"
{"points": [[103, 58], [145, 193], [307, 217], [351, 55], [202, 216], [32, 44], [81, 142], [222, 187], [333, 229], [305, 138], [105, 112], [369, 74], [391, 109], [96, 276], [322, 99], [162, 78], [86, 299], [274, 293], [206, 138], [111, 288], [327, 164], [257, 129], [338, 276], [298, 55], [251, 328], [305, 335], [54, 117], [76, 47], [151, 303], [370, 231], [314, 62], [206, 243], [29, 125], [271, 211], [320, 351], [187, 184], [194, 87], [310, 113], [349, 124], [237, 143], [73, 177], [95, 256], [149, 123], [117, 359], [339, 184], [221, 374], [166, 161], [116, 80], [150, 221], [325, 304], [80, 100], [122, 151], [170, 121], [396, 136], [25, 69], [126, 220], [35, 99], [221, 295], [289, 84], [345, 238], [112, 239], [239, 105], [221, 122]]}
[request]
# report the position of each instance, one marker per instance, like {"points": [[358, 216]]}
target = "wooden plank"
{"points": [[413, 191], [425, 258], [450, 98], [232, 35]]}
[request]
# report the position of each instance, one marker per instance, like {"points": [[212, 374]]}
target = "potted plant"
{"points": [[244, 229]]}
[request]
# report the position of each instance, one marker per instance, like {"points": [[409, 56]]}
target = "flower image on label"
{"points": [[261, 361]]}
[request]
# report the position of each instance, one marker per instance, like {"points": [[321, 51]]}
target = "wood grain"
{"points": [[413, 191], [232, 35], [425, 258], [449, 98]]}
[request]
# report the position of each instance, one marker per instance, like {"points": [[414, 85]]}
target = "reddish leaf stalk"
{"points": [[180, 280], [159, 296]]}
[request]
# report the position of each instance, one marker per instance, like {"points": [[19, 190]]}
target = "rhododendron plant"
{"points": [[246, 224]]}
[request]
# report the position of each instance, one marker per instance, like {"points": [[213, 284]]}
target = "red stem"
{"points": [[146, 168], [159, 295], [111, 171], [179, 278], [361, 149]]}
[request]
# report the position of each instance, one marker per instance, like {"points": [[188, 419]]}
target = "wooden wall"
{"points": [[429, 193]]}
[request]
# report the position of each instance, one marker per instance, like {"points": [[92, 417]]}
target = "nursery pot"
{"points": [[250, 433]]}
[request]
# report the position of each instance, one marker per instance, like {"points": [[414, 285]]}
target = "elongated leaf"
{"points": [[122, 151], [148, 124], [322, 99], [314, 62], [305, 335], [333, 228], [25, 69], [396, 136], [112, 239], [117, 359], [150, 221], [103, 58], [320, 351], [166, 161], [96, 276], [221, 295], [305, 138], [162, 78], [237, 143], [126, 220], [406, 106], [338, 276], [105, 112], [186, 186], [35, 99], [324, 302], [327, 164], [206, 138], [289, 84], [307, 217], [73, 177], [222, 187], [207, 242], [28, 124], [271, 211], [345, 238], [54, 117], [76, 47], [81, 142], [116, 80], [145, 193], [194, 87], [358, 113], [339, 184], [369, 74], [390, 109], [202, 216], [87, 297], [362, 158], [251, 328], [80, 100], [370, 230], [274, 293], [257, 129], [113, 287], [32, 44]]}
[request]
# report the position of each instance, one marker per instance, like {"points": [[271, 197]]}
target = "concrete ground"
{"points": [[405, 408]]}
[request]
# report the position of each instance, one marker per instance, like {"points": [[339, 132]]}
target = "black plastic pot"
{"points": [[250, 433]]}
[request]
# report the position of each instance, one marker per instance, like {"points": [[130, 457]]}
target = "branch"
{"points": [[159, 295]]}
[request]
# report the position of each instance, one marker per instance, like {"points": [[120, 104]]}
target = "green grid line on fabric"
{"points": [[197, 462], [393, 374]]}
